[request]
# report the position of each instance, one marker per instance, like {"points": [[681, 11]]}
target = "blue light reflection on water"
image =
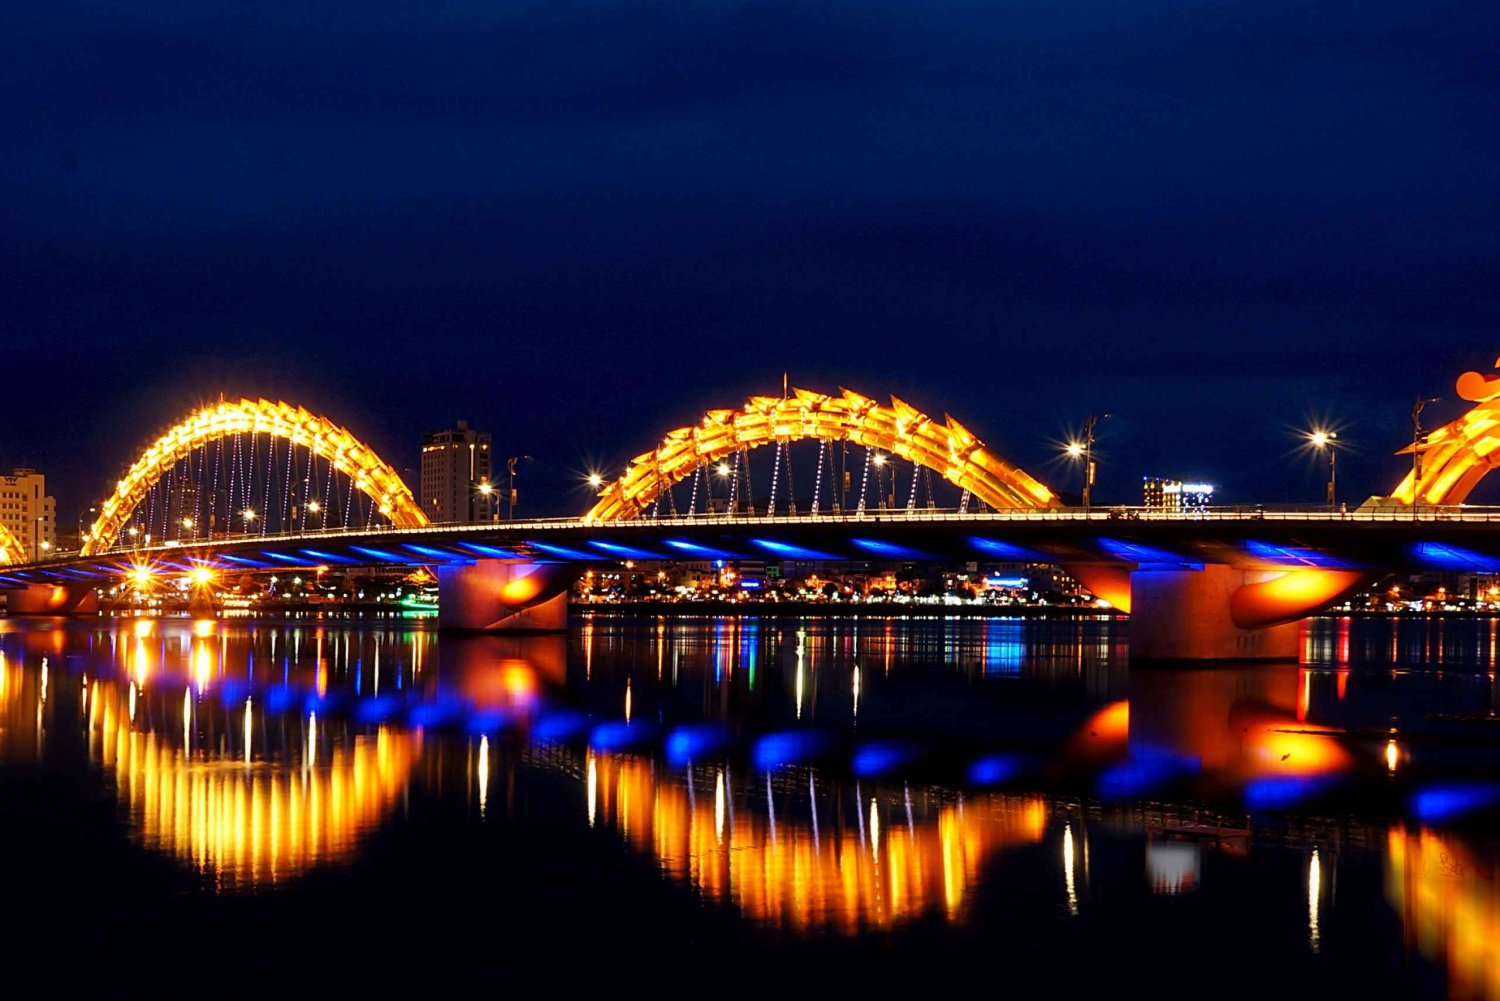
{"points": [[883, 787]]}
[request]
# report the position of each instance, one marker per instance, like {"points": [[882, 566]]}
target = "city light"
{"points": [[201, 576], [879, 460], [595, 480], [248, 514], [486, 489], [1074, 450], [314, 507], [187, 523]]}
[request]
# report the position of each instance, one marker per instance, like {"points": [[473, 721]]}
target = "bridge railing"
{"points": [[1104, 515]]}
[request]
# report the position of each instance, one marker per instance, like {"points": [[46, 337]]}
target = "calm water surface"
{"points": [[680, 804]]}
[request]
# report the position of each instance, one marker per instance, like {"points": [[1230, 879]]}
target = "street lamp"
{"points": [[82, 517], [1417, 440], [596, 481], [722, 472], [1328, 441], [485, 488], [879, 461], [187, 524], [510, 473], [249, 515], [1084, 450]]}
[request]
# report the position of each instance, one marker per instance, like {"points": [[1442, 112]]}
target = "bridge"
{"points": [[257, 485]]}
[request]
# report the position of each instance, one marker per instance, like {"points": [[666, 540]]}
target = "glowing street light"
{"points": [[596, 481], [314, 507], [1083, 450], [1324, 440], [249, 515]]}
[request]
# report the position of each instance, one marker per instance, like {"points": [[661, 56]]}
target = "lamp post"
{"points": [[486, 489], [1084, 450], [510, 474], [1417, 439], [879, 461], [87, 516], [1327, 441]]}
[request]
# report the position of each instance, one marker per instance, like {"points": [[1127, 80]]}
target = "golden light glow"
{"points": [[947, 447], [11, 550], [260, 824], [201, 576], [1457, 455], [801, 876], [1449, 899], [337, 446], [1288, 596]]}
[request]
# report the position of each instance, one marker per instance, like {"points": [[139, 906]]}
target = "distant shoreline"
{"points": [[873, 610]]}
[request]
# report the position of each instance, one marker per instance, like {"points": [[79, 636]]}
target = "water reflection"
{"points": [[789, 858], [938, 754], [1448, 896]]}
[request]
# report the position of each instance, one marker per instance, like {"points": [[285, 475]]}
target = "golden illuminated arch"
{"points": [[11, 550], [946, 447], [327, 440], [1457, 455]]}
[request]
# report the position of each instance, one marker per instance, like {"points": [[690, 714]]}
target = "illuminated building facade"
{"points": [[27, 511], [1175, 496], [456, 484]]}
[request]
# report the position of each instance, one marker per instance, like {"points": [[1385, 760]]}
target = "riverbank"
{"points": [[881, 610]]}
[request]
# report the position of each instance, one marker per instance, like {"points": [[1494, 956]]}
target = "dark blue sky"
{"points": [[580, 224]]}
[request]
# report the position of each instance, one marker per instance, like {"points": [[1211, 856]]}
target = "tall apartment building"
{"points": [[28, 512], [456, 484]]}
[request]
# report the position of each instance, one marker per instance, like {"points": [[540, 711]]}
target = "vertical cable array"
{"points": [[775, 475], [818, 479], [791, 485], [864, 481]]}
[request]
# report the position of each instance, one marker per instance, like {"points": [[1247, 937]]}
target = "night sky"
{"points": [[581, 224]]}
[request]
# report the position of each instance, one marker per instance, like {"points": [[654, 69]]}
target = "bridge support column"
{"points": [[1185, 615], [1225, 613], [504, 596], [51, 599]]}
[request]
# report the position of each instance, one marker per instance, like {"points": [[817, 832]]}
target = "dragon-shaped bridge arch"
{"points": [[344, 453], [946, 447]]}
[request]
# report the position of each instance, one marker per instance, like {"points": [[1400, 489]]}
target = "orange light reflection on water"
{"points": [[784, 870], [248, 824], [1449, 901]]}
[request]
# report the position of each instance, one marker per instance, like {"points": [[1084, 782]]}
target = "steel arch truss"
{"points": [[335, 445], [946, 447], [1456, 456]]}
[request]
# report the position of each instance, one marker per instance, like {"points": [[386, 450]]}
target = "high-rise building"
{"points": [[28, 512], [456, 484], [1175, 496]]}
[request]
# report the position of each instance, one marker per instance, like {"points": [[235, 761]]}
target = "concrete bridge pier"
{"points": [[51, 599], [504, 596], [1217, 612]]}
